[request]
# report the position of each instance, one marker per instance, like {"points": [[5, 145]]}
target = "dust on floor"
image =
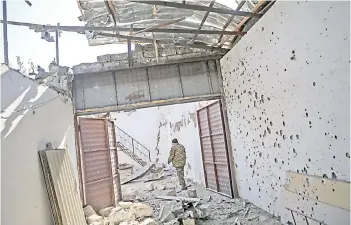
{"points": [[223, 210]]}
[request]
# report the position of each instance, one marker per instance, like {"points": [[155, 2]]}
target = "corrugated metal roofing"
{"points": [[124, 13]]}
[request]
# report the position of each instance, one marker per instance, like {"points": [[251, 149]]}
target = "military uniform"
{"points": [[178, 157]]}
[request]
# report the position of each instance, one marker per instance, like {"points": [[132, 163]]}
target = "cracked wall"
{"points": [[156, 127], [287, 91]]}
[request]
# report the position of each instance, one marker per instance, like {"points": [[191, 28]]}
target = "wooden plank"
{"points": [[230, 20], [241, 25], [333, 192], [316, 210]]}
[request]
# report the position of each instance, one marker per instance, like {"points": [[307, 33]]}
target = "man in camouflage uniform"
{"points": [[178, 157]]}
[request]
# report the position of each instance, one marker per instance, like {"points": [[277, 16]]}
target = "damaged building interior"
{"points": [[257, 92]]}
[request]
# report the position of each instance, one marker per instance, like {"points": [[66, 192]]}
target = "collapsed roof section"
{"points": [[194, 23]]}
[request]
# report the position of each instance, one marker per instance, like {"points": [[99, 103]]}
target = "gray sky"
{"points": [[28, 44]]}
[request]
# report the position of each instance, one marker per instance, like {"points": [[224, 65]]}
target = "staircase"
{"points": [[131, 147]]}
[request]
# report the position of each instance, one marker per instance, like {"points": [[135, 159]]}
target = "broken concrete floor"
{"points": [[222, 210]]}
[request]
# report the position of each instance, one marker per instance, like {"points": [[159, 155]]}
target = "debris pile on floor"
{"points": [[125, 213], [157, 186], [151, 196]]}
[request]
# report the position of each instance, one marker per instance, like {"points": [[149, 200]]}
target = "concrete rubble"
{"points": [[162, 204]]}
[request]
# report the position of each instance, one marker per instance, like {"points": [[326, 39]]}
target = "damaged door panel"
{"points": [[98, 163], [147, 86], [214, 149]]}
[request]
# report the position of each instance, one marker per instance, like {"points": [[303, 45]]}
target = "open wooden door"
{"points": [[98, 163], [214, 149]]}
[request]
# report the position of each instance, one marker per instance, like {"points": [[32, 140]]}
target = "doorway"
{"points": [[214, 149]]}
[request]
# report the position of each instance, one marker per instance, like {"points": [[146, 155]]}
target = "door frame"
{"points": [[230, 159], [80, 163]]}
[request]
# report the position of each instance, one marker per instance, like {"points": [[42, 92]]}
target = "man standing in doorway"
{"points": [[178, 157]]}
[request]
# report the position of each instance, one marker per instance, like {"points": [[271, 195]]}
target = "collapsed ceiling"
{"points": [[199, 24]]}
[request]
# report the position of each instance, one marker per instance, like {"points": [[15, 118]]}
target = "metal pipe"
{"points": [[57, 46], [51, 28], [6, 44]]}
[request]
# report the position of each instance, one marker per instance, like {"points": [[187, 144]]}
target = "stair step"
{"points": [[131, 154]]}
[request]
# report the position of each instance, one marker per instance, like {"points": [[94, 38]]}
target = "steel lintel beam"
{"points": [[199, 8], [52, 28], [141, 105]]}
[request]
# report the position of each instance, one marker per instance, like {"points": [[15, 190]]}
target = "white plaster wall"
{"points": [[287, 91], [156, 127], [41, 117]]}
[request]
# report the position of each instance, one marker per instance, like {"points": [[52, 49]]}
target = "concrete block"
{"points": [[121, 216], [94, 219], [116, 209], [192, 193], [161, 187], [172, 222], [188, 221], [141, 210], [172, 192], [106, 211], [150, 187], [130, 223], [202, 211], [166, 212], [178, 209], [130, 195], [88, 211], [125, 205], [149, 221]]}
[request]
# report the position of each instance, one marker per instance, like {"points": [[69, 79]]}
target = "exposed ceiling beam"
{"points": [[240, 5], [198, 8], [52, 28], [204, 19], [244, 21], [111, 10]]}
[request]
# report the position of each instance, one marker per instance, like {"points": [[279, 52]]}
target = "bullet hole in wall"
{"points": [[334, 175], [325, 176], [283, 123], [271, 123], [336, 137], [294, 150], [306, 114], [291, 137], [275, 160], [347, 155], [314, 83], [297, 136], [305, 170]]}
